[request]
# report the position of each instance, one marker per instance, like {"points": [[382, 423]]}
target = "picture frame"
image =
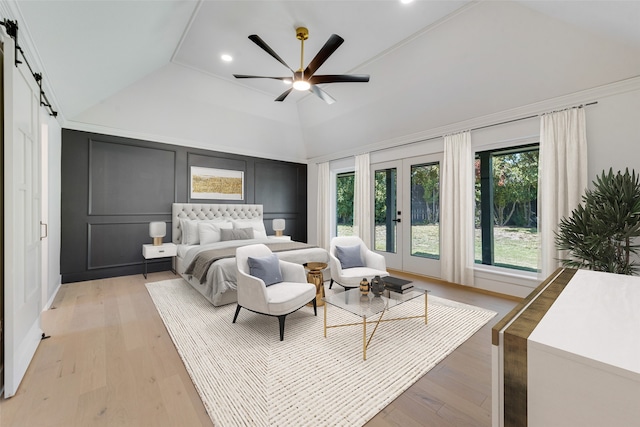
{"points": [[217, 184]]}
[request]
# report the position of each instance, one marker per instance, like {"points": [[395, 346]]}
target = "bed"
{"points": [[209, 264]]}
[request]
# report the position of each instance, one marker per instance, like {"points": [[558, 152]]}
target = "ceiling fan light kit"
{"points": [[301, 85], [304, 78]]}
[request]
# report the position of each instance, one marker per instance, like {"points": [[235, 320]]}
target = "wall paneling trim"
{"points": [[112, 187]]}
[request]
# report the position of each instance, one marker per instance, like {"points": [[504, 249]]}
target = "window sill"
{"points": [[506, 272], [504, 280]]}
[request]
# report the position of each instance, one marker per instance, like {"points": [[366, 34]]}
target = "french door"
{"points": [[406, 206], [387, 207]]}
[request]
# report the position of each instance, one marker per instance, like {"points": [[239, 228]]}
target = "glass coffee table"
{"points": [[370, 306]]}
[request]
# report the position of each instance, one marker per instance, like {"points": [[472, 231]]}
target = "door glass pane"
{"points": [[344, 203], [385, 210], [425, 210]]}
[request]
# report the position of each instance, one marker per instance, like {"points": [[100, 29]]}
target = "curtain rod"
{"points": [[12, 30], [470, 130]]}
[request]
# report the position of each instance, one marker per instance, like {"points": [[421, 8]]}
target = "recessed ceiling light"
{"points": [[406, 1], [226, 58]]}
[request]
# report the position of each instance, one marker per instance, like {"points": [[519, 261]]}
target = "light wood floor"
{"points": [[111, 362]]}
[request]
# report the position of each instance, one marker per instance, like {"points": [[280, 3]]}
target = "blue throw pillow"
{"points": [[349, 256], [266, 268]]}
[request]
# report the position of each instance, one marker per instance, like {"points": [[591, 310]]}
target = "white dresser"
{"points": [[570, 354]]}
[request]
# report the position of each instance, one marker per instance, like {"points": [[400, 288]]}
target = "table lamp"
{"points": [[157, 230], [278, 226]]}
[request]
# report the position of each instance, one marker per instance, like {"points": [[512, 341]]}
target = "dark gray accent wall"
{"points": [[112, 187]]}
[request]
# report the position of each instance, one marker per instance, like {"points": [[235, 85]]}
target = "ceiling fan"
{"points": [[304, 79]]}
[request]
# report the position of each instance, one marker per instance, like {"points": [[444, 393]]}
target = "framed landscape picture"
{"points": [[221, 184]]}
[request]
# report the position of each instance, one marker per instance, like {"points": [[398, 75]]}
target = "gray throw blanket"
{"points": [[201, 263]]}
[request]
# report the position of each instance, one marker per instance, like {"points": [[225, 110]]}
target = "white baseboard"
{"points": [[53, 295]]}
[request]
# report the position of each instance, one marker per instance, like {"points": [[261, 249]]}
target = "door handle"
{"points": [[46, 230], [396, 220]]}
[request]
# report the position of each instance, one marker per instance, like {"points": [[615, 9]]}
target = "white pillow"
{"points": [[190, 233], [259, 232], [209, 232], [189, 230]]}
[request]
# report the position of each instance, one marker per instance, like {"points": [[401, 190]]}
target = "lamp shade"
{"points": [[157, 230], [278, 226]]}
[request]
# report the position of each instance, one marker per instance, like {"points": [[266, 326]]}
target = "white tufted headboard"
{"points": [[195, 211]]}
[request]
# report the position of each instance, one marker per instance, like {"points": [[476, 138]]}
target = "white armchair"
{"points": [[278, 299], [372, 264]]}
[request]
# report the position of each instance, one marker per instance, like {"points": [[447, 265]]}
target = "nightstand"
{"points": [[161, 251], [280, 237]]}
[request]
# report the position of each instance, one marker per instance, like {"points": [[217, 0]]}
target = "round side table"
{"points": [[314, 275]]}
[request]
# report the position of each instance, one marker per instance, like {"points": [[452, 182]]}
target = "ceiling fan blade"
{"points": [[322, 94], [244, 76], [329, 47], [257, 40], [283, 95], [339, 78]]}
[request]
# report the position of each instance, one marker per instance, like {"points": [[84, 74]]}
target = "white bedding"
{"points": [[220, 284], [182, 250]]}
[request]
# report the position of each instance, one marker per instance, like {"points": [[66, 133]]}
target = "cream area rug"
{"points": [[246, 376]]}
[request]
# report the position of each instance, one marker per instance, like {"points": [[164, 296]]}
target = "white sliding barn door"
{"points": [[22, 183]]}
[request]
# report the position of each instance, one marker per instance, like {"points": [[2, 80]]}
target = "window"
{"points": [[506, 208], [344, 203], [425, 210]]}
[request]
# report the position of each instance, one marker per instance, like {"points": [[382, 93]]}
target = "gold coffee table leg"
{"points": [[426, 304], [364, 337], [325, 319]]}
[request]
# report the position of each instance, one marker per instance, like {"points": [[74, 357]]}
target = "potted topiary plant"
{"points": [[600, 233]]}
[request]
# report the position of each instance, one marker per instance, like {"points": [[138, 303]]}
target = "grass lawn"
{"points": [[513, 246]]}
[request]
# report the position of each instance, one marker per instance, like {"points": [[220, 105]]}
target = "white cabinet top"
{"points": [[597, 317]]}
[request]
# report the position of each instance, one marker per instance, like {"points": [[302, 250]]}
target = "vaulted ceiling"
{"points": [[152, 69]]}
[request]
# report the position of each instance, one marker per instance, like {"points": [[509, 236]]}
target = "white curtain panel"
{"points": [[562, 177], [456, 219], [362, 200], [323, 209]]}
